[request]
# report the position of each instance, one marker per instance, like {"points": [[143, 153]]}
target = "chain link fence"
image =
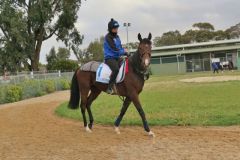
{"points": [[25, 85], [24, 76], [182, 64], [196, 65]]}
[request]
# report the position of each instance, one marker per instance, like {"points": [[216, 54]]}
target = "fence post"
{"points": [[45, 76], [31, 73], [203, 64], [178, 66], [14, 81]]}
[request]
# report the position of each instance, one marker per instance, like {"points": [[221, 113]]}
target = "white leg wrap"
{"points": [[117, 130], [151, 134], [88, 129]]}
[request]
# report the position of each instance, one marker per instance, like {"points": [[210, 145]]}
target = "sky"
{"points": [[155, 16]]}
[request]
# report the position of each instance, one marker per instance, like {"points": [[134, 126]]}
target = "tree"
{"points": [[234, 31], [204, 36], [157, 41], [132, 45], [11, 38], [63, 53], [26, 24], [81, 55], [66, 65], [221, 35], [94, 51], [204, 26], [188, 37], [56, 60], [168, 38], [202, 32], [51, 58], [52, 55], [10, 59]]}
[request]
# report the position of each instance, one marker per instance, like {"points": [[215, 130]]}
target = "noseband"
{"points": [[136, 61]]}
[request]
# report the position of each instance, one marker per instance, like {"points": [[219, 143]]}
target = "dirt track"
{"points": [[30, 130]]}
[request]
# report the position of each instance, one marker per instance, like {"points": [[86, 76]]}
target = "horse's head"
{"points": [[144, 50]]}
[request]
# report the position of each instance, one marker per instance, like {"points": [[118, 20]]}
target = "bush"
{"points": [[63, 65], [62, 84], [65, 84], [2, 95], [13, 93], [40, 93], [49, 86], [31, 88]]}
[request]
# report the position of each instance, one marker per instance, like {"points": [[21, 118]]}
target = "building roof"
{"points": [[211, 43], [212, 46]]}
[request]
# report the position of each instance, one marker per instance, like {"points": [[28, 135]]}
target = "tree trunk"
{"points": [[36, 57], [37, 51]]}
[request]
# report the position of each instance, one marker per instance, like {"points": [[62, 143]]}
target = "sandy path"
{"points": [[30, 130]]}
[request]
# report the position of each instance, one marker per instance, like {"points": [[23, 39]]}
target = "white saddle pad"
{"points": [[104, 72]]}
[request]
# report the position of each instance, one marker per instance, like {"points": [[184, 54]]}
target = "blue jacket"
{"points": [[214, 66], [112, 47]]}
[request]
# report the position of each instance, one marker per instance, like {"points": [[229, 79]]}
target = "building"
{"points": [[194, 57]]}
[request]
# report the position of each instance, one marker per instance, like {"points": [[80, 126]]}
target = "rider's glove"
{"points": [[126, 54]]}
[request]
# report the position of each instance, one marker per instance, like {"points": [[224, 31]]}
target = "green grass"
{"points": [[167, 101]]}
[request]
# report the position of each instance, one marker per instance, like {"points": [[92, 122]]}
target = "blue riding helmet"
{"points": [[112, 24]]}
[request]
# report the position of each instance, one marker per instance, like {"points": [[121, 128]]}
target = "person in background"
{"points": [[215, 67]]}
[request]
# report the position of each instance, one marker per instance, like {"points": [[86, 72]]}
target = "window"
{"points": [[169, 59], [155, 60]]}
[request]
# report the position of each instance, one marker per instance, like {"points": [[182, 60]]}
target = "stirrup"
{"points": [[109, 91], [112, 90]]}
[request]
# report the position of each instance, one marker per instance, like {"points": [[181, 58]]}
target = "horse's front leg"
{"points": [[125, 106], [137, 104]]}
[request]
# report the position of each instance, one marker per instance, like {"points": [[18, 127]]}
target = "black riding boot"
{"points": [[113, 64], [112, 81]]}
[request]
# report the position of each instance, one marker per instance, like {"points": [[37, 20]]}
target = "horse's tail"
{"points": [[74, 95]]}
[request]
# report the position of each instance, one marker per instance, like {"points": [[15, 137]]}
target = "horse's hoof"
{"points": [[151, 134], [88, 129], [117, 130]]}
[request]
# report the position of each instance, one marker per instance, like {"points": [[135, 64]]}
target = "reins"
{"points": [[134, 61]]}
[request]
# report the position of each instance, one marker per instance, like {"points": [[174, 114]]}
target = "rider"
{"points": [[112, 51]]}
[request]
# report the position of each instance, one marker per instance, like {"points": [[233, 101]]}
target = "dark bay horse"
{"points": [[85, 87]]}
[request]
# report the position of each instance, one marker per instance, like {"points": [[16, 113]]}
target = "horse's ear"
{"points": [[139, 37], [150, 36]]}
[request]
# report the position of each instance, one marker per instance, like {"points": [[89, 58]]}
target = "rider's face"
{"points": [[115, 30]]}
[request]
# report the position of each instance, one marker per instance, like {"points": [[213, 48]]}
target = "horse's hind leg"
{"points": [[93, 95], [84, 95]]}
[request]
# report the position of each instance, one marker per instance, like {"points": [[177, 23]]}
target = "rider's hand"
{"points": [[126, 54], [125, 50]]}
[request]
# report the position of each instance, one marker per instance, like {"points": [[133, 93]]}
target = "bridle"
{"points": [[137, 60]]}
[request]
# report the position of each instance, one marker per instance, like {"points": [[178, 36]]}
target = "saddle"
{"points": [[103, 71]]}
